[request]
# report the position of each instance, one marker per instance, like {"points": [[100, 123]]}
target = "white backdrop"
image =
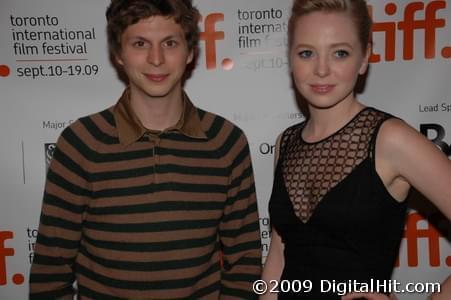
{"points": [[54, 68]]}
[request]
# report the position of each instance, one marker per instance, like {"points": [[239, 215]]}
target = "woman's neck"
{"points": [[324, 122]]}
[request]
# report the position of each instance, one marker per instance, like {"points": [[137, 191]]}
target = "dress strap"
{"points": [[288, 136], [372, 146]]}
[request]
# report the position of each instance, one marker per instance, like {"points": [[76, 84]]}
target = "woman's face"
{"points": [[326, 58]]}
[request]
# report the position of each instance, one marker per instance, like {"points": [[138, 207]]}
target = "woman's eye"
{"points": [[305, 54], [341, 53]]}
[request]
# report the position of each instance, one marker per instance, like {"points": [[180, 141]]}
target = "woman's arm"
{"points": [[274, 263], [404, 155], [445, 292]]}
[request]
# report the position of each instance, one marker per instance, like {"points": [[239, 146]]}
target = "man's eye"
{"points": [[139, 44], [170, 43]]}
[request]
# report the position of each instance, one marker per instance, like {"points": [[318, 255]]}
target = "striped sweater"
{"points": [[133, 214]]}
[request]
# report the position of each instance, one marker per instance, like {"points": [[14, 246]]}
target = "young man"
{"points": [[152, 198]]}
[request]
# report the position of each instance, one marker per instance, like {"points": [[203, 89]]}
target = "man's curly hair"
{"points": [[122, 13]]}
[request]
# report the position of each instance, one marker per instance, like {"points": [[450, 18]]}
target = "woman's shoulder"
{"points": [[378, 114], [293, 129], [396, 138], [286, 136], [393, 129]]}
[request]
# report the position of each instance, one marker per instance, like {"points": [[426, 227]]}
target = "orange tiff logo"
{"points": [[210, 35], [412, 234], [410, 24], [5, 252]]}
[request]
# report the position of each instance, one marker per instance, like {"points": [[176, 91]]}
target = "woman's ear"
{"points": [[366, 59]]}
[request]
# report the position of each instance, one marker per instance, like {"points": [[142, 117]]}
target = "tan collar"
{"points": [[130, 128]]}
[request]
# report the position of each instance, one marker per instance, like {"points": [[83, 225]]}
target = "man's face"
{"points": [[154, 55]]}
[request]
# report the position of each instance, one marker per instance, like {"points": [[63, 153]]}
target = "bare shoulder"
{"points": [[390, 146], [395, 133], [399, 142], [408, 155], [397, 139]]}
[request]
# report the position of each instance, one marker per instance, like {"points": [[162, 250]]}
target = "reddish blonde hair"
{"points": [[357, 10]]}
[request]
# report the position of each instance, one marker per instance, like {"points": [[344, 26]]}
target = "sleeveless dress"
{"points": [[339, 224]]}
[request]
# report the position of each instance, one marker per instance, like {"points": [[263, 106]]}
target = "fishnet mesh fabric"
{"points": [[311, 170]]}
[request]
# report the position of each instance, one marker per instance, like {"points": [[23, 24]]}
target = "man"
{"points": [[152, 198]]}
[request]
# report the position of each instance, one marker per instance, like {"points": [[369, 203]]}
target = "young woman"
{"points": [[337, 206]]}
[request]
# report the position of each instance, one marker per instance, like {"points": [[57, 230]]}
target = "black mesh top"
{"points": [[336, 218]]}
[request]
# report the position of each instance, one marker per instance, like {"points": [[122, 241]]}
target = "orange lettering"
{"points": [[408, 26], [210, 36], [389, 28], [412, 233], [4, 252]]}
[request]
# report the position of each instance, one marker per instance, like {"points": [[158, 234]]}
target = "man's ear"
{"points": [[118, 59]]}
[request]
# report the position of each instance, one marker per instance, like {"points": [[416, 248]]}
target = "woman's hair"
{"points": [[357, 10], [123, 13]]}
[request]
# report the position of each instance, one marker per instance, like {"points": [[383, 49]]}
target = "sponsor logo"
{"points": [[436, 133], [49, 148]]}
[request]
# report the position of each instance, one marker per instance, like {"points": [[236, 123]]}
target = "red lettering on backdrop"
{"points": [[409, 25], [210, 36], [429, 25], [412, 234], [4, 252], [390, 34]]}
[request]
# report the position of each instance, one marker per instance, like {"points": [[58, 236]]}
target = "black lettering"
{"points": [[439, 135]]}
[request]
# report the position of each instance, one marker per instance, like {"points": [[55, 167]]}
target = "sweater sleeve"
{"points": [[65, 197], [239, 230]]}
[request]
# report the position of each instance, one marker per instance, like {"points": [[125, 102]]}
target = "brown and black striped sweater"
{"points": [[133, 214]]}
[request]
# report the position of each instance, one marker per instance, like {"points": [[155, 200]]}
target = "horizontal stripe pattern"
{"points": [[166, 217]]}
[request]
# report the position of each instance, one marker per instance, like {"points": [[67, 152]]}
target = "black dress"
{"points": [[332, 211]]}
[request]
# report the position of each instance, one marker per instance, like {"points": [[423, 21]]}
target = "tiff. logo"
{"points": [[210, 36], [410, 24], [5, 252], [412, 234]]}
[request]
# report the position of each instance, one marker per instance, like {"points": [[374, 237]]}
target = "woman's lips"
{"points": [[322, 88]]}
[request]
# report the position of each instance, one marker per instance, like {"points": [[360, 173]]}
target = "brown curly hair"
{"points": [[122, 13]]}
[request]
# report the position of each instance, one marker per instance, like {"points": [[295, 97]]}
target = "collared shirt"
{"points": [[130, 128], [130, 213]]}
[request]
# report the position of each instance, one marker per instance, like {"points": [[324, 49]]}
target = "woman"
{"points": [[337, 206]]}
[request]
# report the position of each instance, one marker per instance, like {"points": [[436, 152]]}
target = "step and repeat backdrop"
{"points": [[54, 68]]}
